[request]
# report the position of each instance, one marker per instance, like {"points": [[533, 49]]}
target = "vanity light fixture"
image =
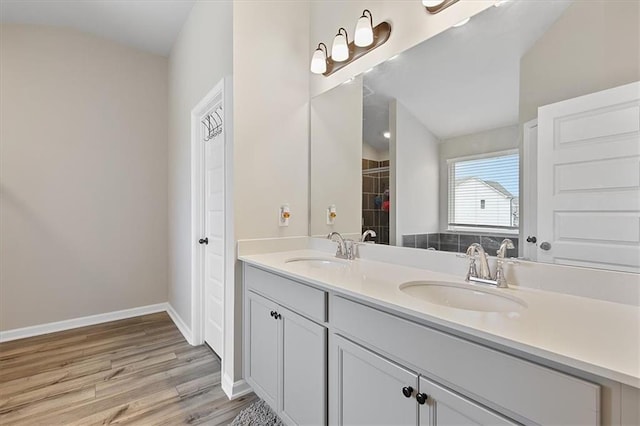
{"points": [[435, 6], [363, 36], [340, 47], [319, 59], [344, 52]]}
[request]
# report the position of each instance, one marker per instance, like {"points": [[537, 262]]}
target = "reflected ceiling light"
{"points": [[319, 59], [363, 36], [387, 135], [461, 23], [435, 6], [344, 52], [432, 3], [340, 47]]}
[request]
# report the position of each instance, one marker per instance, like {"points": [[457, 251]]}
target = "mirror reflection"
{"points": [[523, 124]]}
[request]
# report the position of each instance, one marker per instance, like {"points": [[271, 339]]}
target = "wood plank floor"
{"points": [[137, 371]]}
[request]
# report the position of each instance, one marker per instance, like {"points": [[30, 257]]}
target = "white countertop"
{"points": [[595, 336]]}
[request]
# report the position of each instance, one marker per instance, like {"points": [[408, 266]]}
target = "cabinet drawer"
{"points": [[300, 298], [513, 386]]}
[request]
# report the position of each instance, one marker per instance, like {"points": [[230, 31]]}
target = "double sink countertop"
{"points": [[591, 335]]}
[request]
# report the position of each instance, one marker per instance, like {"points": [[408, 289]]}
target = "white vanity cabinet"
{"points": [[320, 357], [443, 407], [285, 352], [372, 390], [480, 376], [262, 344], [368, 389]]}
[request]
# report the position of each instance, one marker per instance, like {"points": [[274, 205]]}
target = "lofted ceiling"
{"points": [[463, 81], [149, 25]]}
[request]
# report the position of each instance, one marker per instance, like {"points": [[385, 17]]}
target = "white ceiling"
{"points": [[464, 80], [149, 25]]}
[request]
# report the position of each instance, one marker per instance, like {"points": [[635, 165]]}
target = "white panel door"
{"points": [[214, 273], [589, 180]]}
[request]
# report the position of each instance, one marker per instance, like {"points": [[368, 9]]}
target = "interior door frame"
{"points": [[529, 191], [221, 93]]}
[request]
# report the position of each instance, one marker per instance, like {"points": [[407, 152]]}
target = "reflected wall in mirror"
{"points": [[522, 124]]}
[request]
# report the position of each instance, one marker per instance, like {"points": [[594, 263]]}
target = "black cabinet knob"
{"points": [[532, 239], [203, 240], [407, 391], [275, 315], [422, 398]]}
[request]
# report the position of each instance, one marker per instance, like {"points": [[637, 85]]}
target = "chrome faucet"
{"points": [[484, 276], [485, 273], [345, 247], [368, 233], [501, 281]]}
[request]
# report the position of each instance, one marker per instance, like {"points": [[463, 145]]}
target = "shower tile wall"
{"points": [[374, 185]]}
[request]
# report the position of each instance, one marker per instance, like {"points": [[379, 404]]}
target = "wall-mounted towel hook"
{"points": [[213, 126]]}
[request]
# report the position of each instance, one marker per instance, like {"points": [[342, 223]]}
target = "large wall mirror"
{"points": [[524, 124]]}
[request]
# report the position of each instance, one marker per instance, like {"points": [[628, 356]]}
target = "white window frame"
{"points": [[450, 189]]}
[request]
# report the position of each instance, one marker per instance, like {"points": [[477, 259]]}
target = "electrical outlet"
{"points": [[331, 214], [284, 213]]}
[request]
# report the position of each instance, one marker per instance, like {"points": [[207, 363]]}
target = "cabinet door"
{"points": [[304, 390], [446, 408], [368, 389], [262, 351]]}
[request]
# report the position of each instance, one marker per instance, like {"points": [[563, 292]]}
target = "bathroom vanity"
{"points": [[510, 126], [330, 341]]}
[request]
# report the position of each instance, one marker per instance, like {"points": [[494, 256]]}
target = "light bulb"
{"points": [[387, 135], [340, 47], [432, 3], [363, 36], [461, 23], [319, 62]]}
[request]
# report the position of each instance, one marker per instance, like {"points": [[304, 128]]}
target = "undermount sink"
{"points": [[464, 296], [319, 262]]}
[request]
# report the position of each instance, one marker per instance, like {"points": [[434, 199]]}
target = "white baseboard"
{"points": [[233, 389], [52, 327], [182, 326]]}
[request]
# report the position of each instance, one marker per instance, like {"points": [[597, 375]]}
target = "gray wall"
{"points": [[83, 176], [595, 45]]}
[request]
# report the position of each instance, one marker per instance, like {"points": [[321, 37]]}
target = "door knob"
{"points": [[203, 240], [422, 398], [545, 246], [273, 314], [407, 391], [532, 239]]}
